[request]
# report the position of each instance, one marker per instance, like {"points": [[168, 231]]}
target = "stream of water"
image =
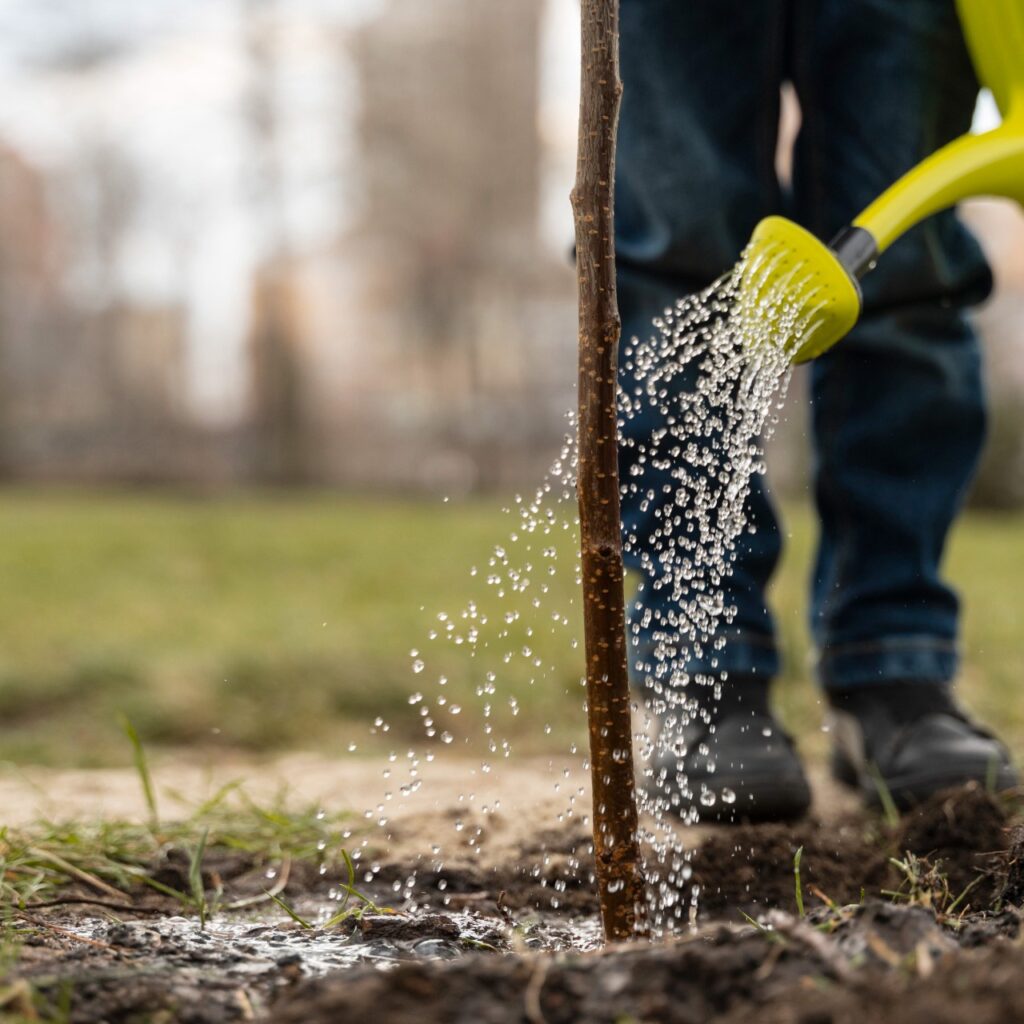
{"points": [[711, 377]]}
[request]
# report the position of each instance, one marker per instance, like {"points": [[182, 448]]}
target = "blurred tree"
{"points": [[461, 305], [280, 425], [28, 287]]}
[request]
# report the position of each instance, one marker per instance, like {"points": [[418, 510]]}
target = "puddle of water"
{"points": [[251, 946]]}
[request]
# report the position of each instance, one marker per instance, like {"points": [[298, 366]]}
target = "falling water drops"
{"points": [[708, 382]]}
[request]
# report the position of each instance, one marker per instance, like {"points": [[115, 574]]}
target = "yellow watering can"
{"points": [[821, 280]]}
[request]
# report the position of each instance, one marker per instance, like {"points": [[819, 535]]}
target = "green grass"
{"points": [[263, 622], [106, 859], [256, 622], [109, 865]]}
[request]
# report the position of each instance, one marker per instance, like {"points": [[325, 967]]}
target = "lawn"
{"points": [[261, 622]]}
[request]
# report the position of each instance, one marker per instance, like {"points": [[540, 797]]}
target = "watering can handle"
{"points": [[991, 164]]}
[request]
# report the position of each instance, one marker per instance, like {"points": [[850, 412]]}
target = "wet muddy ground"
{"points": [[918, 920]]}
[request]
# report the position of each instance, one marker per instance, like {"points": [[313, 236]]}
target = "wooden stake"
{"points": [[616, 847]]}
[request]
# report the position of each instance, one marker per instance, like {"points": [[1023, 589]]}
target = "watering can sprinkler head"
{"points": [[807, 290]]}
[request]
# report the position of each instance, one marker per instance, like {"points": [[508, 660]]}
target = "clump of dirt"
{"points": [[981, 987], [885, 934], [962, 832], [1012, 890], [750, 867]]}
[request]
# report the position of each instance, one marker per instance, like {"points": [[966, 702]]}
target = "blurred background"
{"points": [[278, 279]]}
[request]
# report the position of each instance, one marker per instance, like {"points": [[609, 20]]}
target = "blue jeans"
{"points": [[898, 407]]}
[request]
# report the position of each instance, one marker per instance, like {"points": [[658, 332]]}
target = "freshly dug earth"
{"points": [[962, 835], [928, 954], [722, 976], [916, 923]]}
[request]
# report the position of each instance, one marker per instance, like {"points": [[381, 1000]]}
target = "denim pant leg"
{"points": [[898, 408], [695, 172]]}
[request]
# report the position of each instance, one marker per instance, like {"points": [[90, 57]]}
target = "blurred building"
{"points": [[453, 349], [29, 291], [428, 343], [85, 391], [421, 335]]}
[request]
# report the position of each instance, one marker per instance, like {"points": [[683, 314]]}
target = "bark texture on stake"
{"points": [[619, 878]]}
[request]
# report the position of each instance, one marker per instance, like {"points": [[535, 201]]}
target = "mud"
{"points": [[932, 937]]}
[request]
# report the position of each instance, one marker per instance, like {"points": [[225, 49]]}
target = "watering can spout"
{"points": [[989, 164]]}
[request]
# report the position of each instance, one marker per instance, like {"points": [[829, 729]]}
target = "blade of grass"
{"points": [[889, 809], [753, 921], [142, 768], [956, 903], [991, 774], [350, 891], [350, 885], [350, 867], [195, 878], [768, 933], [214, 803], [86, 877], [797, 857], [824, 897], [290, 911]]}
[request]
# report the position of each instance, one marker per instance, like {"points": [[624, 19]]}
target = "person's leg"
{"points": [[695, 172], [898, 407]]}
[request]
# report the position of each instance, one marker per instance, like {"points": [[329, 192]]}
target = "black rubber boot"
{"points": [[732, 762], [911, 740]]}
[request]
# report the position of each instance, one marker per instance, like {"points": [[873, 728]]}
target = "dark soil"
{"points": [[962, 834], [883, 963], [551, 871], [930, 938]]}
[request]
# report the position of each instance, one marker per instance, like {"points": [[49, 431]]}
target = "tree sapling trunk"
{"points": [[616, 846]]}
